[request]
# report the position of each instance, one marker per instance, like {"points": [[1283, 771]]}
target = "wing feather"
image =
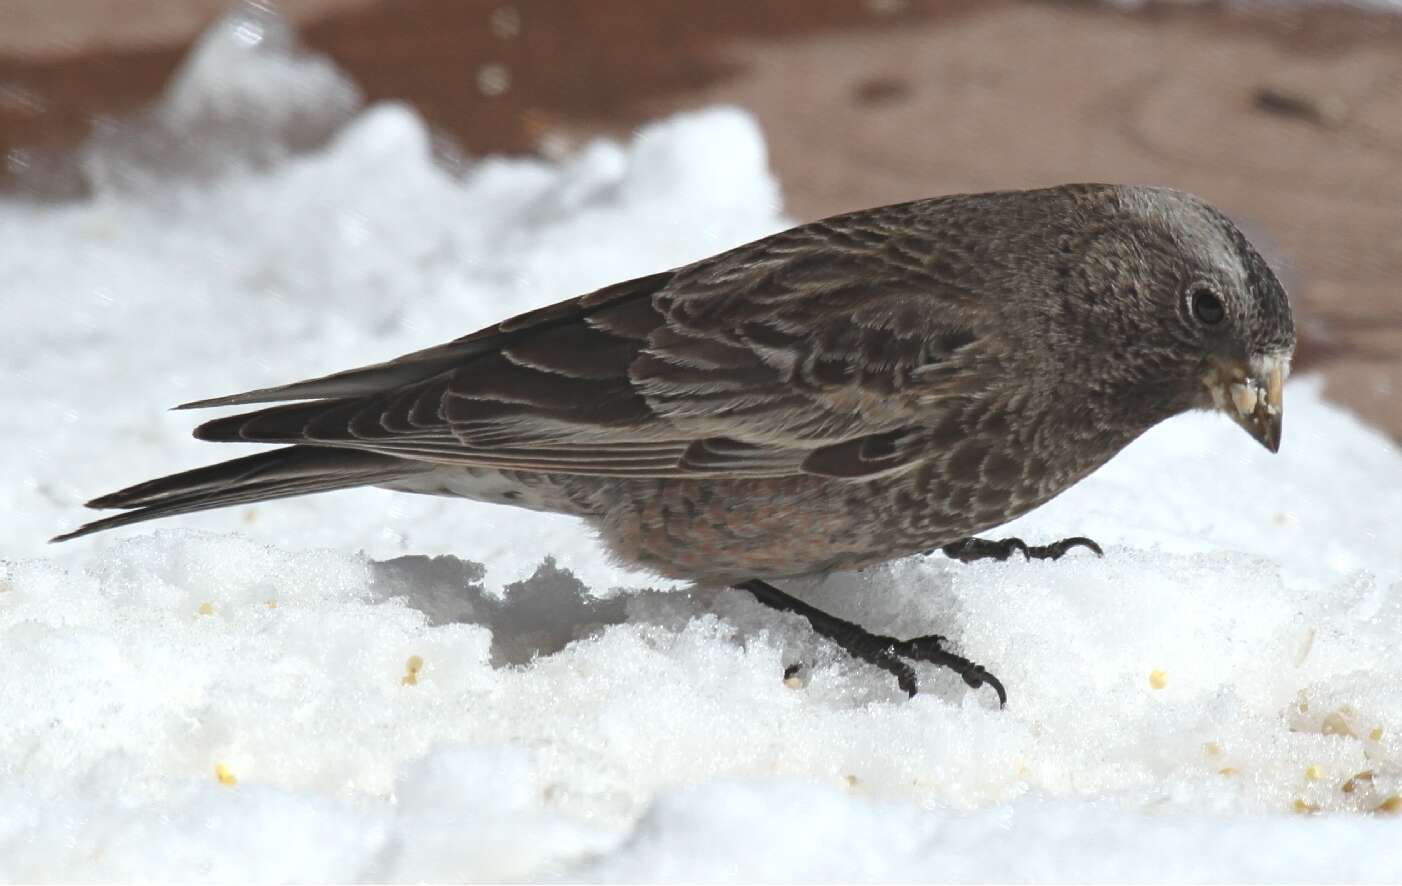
{"points": [[824, 349]]}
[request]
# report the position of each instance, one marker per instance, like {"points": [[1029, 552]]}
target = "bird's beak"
{"points": [[1251, 395]]}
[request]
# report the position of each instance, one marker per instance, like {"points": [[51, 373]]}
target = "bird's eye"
{"points": [[1207, 307]]}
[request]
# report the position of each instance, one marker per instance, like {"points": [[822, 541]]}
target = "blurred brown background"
{"points": [[1288, 118]]}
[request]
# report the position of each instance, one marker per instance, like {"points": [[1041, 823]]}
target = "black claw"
{"points": [[1055, 550], [970, 549], [931, 649], [887, 653], [904, 674], [976, 677], [872, 648]]}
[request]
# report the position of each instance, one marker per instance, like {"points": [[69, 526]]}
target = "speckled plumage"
{"points": [[845, 392]]}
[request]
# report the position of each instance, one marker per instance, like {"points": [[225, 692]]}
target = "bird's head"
{"points": [[1198, 320]]}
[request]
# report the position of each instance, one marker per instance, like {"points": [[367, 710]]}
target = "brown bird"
{"points": [[860, 388]]}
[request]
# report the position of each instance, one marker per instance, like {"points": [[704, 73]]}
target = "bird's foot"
{"points": [[887, 653], [970, 549]]}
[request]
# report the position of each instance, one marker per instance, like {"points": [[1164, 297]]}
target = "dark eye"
{"points": [[1207, 307]]}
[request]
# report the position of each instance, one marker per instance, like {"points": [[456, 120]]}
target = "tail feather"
{"points": [[281, 473]]}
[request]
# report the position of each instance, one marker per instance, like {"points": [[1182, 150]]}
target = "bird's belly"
{"points": [[720, 530], [727, 530]]}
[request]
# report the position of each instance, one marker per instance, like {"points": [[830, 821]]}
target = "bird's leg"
{"points": [[970, 549], [885, 652]]}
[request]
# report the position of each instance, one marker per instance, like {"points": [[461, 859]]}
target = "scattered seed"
{"points": [[1335, 724], [411, 671], [1352, 784]]}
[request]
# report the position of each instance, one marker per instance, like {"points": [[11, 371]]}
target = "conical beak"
{"points": [[1252, 397]]}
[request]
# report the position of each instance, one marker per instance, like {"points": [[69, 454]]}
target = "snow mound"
{"points": [[369, 686]]}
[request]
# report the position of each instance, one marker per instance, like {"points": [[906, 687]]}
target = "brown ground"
{"points": [[1292, 121]]}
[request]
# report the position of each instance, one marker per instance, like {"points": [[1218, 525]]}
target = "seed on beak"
{"points": [[1244, 398]]}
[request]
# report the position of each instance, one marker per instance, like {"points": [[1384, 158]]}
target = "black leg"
{"points": [[970, 549], [886, 653]]}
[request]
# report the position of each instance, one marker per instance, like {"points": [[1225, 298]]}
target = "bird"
{"points": [[873, 385]]}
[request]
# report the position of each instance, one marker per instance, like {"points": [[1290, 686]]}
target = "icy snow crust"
{"points": [[370, 686]]}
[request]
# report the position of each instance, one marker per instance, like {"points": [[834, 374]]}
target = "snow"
{"points": [[370, 686]]}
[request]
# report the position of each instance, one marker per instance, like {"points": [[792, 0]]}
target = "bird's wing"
{"points": [[826, 349]]}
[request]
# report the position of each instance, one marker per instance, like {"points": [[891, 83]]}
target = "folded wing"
{"points": [[823, 350]]}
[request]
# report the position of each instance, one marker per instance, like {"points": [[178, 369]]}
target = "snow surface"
{"points": [[370, 686]]}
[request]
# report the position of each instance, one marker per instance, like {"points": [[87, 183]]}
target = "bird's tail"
{"points": [[281, 473]]}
